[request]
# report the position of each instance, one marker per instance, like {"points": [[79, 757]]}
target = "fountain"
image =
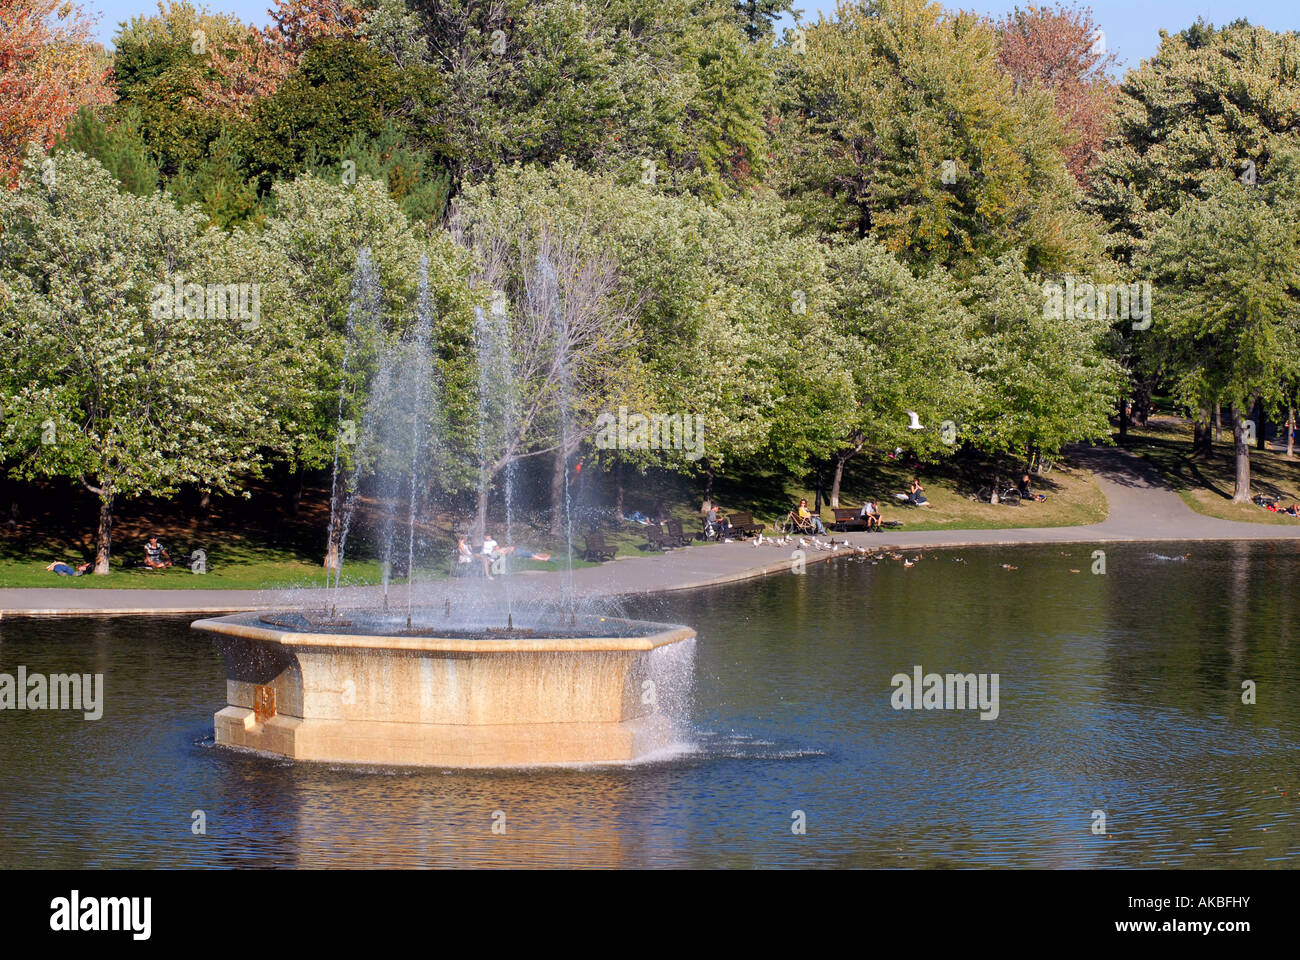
{"points": [[486, 684]]}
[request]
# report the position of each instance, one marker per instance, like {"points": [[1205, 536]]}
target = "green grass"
{"points": [[1073, 498], [1206, 484]]}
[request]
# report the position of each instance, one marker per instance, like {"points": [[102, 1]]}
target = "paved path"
{"points": [[1142, 507]]}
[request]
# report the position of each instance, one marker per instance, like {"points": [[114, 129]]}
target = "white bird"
{"points": [[916, 421]]}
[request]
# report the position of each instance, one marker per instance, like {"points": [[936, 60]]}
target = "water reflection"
{"points": [[1119, 693]]}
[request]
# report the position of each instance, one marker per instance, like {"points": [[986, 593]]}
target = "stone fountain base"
{"points": [[468, 699]]}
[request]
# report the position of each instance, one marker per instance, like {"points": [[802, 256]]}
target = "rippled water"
{"points": [[1119, 692]]}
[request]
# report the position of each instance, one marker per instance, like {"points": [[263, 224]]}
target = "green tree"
{"points": [[899, 123], [1041, 377], [119, 148], [1227, 269], [1211, 100], [314, 240], [103, 380], [904, 340]]}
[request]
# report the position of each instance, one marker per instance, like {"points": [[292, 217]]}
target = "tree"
{"points": [[1057, 48], [903, 339], [316, 111], [119, 148], [900, 124], [314, 240], [1041, 380], [48, 70], [107, 379], [252, 65], [1211, 100], [758, 16], [665, 91], [1228, 271]]}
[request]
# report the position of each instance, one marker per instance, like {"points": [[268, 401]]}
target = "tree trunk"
{"points": [[558, 469], [618, 488], [104, 538], [480, 513], [1290, 432], [1241, 492], [708, 480], [1123, 419], [840, 460], [997, 463], [295, 501], [1218, 422], [817, 508], [205, 498], [1202, 438]]}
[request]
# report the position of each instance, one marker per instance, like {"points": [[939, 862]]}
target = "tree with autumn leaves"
{"points": [[48, 70], [252, 66]]}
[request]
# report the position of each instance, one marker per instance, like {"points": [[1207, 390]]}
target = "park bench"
{"points": [[657, 539], [847, 518], [676, 532], [743, 525], [597, 550]]}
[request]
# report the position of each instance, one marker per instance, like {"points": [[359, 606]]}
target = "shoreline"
{"points": [[1143, 509]]}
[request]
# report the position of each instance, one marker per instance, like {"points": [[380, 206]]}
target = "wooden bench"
{"points": [[676, 532], [597, 550], [743, 525], [848, 518], [657, 539]]}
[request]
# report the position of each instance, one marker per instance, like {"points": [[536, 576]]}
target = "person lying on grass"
{"points": [[63, 570], [494, 556]]}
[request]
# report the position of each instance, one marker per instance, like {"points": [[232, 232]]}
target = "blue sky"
{"points": [[1130, 25]]}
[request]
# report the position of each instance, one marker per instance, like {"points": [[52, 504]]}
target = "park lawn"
{"points": [[233, 566], [1073, 498], [239, 568], [248, 560], [1206, 485]]}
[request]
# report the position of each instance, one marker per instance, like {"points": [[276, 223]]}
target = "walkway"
{"points": [[1142, 507]]}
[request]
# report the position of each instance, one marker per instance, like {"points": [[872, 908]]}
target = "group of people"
{"points": [[492, 555], [155, 558]]}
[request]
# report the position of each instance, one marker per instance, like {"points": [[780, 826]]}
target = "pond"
{"points": [[1119, 696]]}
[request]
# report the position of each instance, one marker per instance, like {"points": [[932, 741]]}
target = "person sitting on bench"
{"points": [[463, 552], [806, 515], [870, 514], [714, 520], [488, 554], [155, 555]]}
